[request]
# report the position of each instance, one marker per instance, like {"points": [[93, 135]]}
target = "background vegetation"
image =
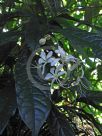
{"points": [[76, 26]]}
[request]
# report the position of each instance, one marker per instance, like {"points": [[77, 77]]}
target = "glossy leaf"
{"points": [[33, 104]]}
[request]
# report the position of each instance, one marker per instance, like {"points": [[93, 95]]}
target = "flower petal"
{"points": [[61, 73], [49, 76], [57, 51], [40, 61], [49, 54], [58, 68], [50, 60], [43, 55], [54, 62], [62, 52], [52, 70], [70, 58]]}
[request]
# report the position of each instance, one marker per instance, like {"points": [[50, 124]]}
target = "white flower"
{"points": [[60, 51], [64, 56], [54, 61], [45, 59], [42, 41], [55, 74], [70, 58]]}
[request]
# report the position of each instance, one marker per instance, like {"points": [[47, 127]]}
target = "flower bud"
{"points": [[48, 37], [42, 41]]}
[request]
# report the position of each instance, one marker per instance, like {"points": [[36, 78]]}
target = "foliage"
{"points": [[28, 27]]}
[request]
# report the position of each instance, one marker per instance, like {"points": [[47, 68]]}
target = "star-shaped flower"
{"points": [[64, 56], [44, 59], [55, 74]]}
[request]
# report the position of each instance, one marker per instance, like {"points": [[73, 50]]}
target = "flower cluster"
{"points": [[65, 70]]}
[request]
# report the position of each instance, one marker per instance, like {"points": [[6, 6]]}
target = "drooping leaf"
{"points": [[7, 100], [81, 39], [33, 103], [93, 98], [59, 125]]}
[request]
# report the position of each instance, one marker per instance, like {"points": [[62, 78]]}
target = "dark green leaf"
{"points": [[33, 104], [9, 36], [5, 50], [7, 101], [81, 39], [35, 30], [93, 98], [58, 124]]}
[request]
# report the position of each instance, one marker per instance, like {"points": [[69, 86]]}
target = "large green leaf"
{"points": [[58, 124], [9, 36], [7, 100], [81, 39], [34, 104]]}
